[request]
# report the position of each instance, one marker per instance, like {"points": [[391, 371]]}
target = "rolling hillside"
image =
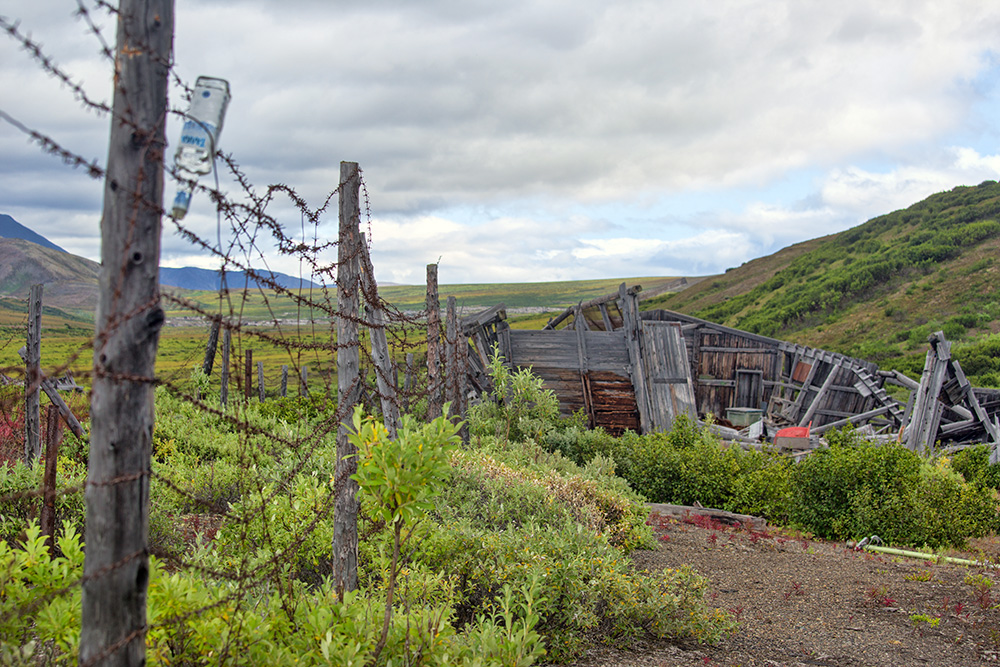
{"points": [[876, 291]]}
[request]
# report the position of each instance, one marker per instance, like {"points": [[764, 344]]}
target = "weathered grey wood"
{"points": [[379, 343], [796, 408], [48, 386], [483, 317], [928, 408], [210, 347], [345, 518], [451, 356], [461, 380], [260, 381], [668, 374], [284, 380], [631, 327], [53, 438], [631, 291], [435, 389], [32, 379], [408, 382], [605, 317], [581, 355], [900, 379], [227, 343], [820, 395], [248, 375], [853, 419], [729, 518], [127, 328]]}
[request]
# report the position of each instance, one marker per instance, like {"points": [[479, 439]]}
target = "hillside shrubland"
{"points": [[878, 290]]}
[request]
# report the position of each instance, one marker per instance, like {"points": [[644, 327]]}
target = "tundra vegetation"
{"points": [[507, 550]]}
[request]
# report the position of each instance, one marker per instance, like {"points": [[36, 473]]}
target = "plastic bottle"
{"points": [[199, 136]]}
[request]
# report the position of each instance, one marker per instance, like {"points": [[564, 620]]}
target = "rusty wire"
{"points": [[254, 233]]}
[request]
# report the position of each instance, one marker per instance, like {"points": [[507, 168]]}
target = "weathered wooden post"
{"points": [[53, 438], [451, 356], [260, 380], [210, 347], [227, 341], [33, 378], [408, 382], [379, 342], [345, 517], [284, 380], [433, 306], [127, 330], [248, 374]]}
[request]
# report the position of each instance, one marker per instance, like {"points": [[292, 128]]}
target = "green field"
{"points": [[292, 341]]}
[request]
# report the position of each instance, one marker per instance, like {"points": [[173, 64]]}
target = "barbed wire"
{"points": [[293, 447]]}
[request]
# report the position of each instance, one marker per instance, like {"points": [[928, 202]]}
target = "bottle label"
{"points": [[196, 133]]}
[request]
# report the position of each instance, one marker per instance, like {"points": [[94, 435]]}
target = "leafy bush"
{"points": [[973, 463], [517, 407], [856, 488]]}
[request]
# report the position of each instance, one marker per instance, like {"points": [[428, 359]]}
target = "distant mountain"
{"points": [[69, 280], [12, 229], [21, 267], [208, 279]]}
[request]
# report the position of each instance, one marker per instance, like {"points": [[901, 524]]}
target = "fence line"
{"points": [[135, 478]]}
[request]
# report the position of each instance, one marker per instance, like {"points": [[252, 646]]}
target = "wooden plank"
{"points": [[668, 374], [631, 327], [815, 404]]}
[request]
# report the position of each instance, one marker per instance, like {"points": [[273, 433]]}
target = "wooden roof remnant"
{"points": [[640, 371]]}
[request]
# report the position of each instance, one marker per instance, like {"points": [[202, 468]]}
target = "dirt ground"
{"points": [[810, 602]]}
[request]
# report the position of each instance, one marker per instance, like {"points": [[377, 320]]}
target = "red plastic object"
{"points": [[793, 432]]}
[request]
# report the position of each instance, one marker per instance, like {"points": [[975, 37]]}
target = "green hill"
{"points": [[878, 290]]}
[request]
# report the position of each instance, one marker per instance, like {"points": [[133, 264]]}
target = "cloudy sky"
{"points": [[532, 140]]}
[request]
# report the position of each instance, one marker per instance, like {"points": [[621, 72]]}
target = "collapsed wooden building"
{"points": [[627, 369]]}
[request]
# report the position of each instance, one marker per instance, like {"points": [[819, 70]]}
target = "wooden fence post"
{"points": [[32, 379], [345, 516], [260, 380], [451, 357], [248, 375], [408, 382], [210, 347], [53, 438], [433, 306], [127, 329], [227, 341], [379, 342]]}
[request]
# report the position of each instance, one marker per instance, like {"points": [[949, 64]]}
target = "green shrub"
{"points": [[517, 407], [973, 463], [856, 488], [20, 491]]}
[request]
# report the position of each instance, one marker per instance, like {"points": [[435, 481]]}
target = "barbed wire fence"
{"points": [[354, 341]]}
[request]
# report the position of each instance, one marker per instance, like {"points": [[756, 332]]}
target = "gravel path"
{"points": [[811, 602]]}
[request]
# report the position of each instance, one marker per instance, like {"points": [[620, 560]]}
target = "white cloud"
{"points": [[526, 109]]}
